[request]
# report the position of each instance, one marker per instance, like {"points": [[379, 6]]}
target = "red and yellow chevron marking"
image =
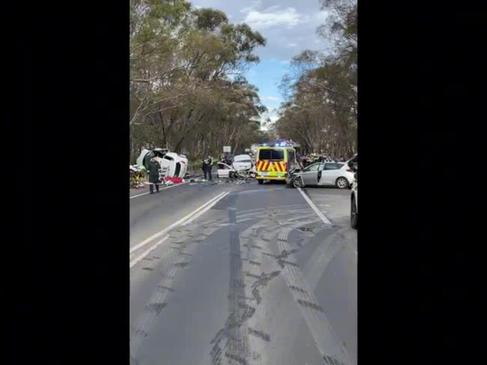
{"points": [[266, 165]]}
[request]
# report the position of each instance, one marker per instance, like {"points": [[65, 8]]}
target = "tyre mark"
{"points": [[262, 282], [252, 275], [181, 264], [156, 307], [148, 316], [261, 334], [163, 287], [322, 332], [283, 263], [310, 305], [300, 290], [158, 301], [328, 360], [234, 332]]}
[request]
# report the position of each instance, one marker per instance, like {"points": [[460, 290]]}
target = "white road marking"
{"points": [[165, 188], [145, 253], [177, 223], [314, 207], [205, 209]]}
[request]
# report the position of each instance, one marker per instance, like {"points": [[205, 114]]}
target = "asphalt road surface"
{"points": [[236, 274]]}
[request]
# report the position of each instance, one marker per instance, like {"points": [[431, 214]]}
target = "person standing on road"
{"points": [[209, 166], [204, 167], [154, 175]]}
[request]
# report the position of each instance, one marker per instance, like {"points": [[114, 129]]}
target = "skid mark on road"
{"points": [[272, 237], [258, 256], [322, 255], [325, 338], [182, 242], [231, 343], [153, 309]]}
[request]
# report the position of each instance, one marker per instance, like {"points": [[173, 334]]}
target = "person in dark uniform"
{"points": [[204, 167], [154, 175], [209, 166]]}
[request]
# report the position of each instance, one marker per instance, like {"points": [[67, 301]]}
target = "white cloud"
{"points": [[273, 115], [252, 6], [272, 17], [291, 45]]}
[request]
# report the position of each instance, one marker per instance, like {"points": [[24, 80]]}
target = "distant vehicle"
{"points": [[242, 162], [274, 163], [224, 171], [336, 174], [172, 164]]}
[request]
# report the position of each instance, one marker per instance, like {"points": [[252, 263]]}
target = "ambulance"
{"points": [[274, 162]]}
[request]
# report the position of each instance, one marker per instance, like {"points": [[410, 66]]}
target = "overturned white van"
{"points": [[172, 164]]}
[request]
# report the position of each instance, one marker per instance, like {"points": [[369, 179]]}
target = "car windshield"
{"points": [[271, 154], [313, 167]]}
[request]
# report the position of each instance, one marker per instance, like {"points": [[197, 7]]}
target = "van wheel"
{"points": [[260, 181]]}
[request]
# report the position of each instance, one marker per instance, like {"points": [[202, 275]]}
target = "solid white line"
{"points": [[145, 253], [165, 188], [208, 207], [175, 224], [314, 207]]}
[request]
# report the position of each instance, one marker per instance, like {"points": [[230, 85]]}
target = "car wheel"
{"points": [[353, 214], [342, 183], [298, 182], [260, 181]]}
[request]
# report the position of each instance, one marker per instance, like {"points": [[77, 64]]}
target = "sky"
{"points": [[289, 27]]}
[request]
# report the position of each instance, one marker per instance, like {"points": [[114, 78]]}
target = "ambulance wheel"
{"points": [[260, 181]]}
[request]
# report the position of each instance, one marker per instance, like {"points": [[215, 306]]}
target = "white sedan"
{"points": [[336, 174], [224, 171]]}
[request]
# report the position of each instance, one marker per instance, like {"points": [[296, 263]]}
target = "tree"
{"points": [[320, 111], [187, 92]]}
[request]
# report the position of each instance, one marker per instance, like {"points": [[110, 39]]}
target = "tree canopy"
{"points": [[187, 92], [320, 111]]}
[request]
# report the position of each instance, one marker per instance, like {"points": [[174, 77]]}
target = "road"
{"points": [[258, 275]]}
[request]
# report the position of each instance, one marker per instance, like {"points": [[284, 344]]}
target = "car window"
{"points": [[242, 158], [271, 154], [331, 166], [313, 167]]}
